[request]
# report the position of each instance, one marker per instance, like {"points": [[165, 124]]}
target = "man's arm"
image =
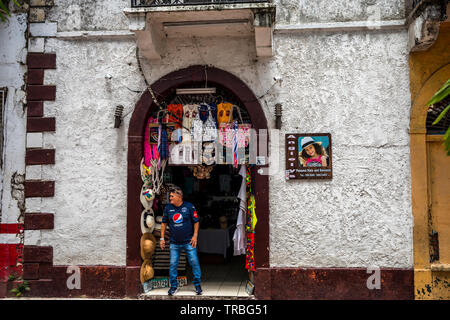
{"points": [[162, 242], [194, 237]]}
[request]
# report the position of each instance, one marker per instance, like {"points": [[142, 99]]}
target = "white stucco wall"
{"points": [[354, 85], [108, 15], [12, 69]]}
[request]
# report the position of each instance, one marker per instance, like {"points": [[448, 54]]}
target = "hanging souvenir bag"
{"points": [[190, 113], [224, 119], [226, 132], [209, 125], [150, 151], [208, 156]]}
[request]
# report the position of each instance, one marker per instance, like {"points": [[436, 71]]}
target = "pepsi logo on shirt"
{"points": [[177, 218]]}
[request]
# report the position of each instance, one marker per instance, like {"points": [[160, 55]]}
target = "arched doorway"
{"points": [[144, 107], [429, 187]]}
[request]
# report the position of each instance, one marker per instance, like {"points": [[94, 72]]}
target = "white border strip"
{"points": [[116, 34], [9, 238], [341, 26], [279, 29]]}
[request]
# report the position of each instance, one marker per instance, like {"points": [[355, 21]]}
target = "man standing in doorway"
{"points": [[183, 222]]}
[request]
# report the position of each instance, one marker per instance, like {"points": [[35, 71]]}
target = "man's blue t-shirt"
{"points": [[181, 222]]}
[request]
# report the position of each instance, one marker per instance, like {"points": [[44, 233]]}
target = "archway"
{"points": [[145, 106], [426, 153]]}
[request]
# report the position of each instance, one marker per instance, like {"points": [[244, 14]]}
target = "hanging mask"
{"points": [[224, 112]]}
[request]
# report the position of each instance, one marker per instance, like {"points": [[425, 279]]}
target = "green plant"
{"points": [[4, 11], [443, 92], [21, 289], [11, 277]]}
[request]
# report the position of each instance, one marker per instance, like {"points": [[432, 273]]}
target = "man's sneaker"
{"points": [[172, 291], [198, 290]]}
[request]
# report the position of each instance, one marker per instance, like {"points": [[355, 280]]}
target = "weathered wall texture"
{"points": [[12, 69], [108, 15], [353, 85], [311, 11], [91, 158], [90, 15]]}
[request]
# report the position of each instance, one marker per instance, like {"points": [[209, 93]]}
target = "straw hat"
{"points": [[148, 245], [147, 271], [306, 141], [147, 221]]}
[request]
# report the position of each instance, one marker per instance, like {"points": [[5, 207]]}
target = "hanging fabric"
{"points": [[175, 114], [235, 144], [213, 112], [239, 237], [150, 150], [208, 154], [190, 112], [209, 126], [203, 111], [251, 223]]}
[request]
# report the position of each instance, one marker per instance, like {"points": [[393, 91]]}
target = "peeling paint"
{"points": [[18, 193]]}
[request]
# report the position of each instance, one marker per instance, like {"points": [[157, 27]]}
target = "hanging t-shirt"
{"points": [[181, 222]]}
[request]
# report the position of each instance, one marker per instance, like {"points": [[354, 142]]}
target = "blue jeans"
{"points": [[191, 254]]}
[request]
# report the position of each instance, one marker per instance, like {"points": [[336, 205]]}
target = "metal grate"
{"points": [[433, 112], [159, 3]]}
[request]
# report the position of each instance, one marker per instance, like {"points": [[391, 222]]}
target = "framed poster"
{"points": [[308, 156]]}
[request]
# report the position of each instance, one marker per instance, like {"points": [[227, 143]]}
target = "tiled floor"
{"points": [[218, 280]]}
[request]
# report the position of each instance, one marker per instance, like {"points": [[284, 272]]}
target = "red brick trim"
{"points": [[13, 228], [31, 271], [270, 283], [37, 254], [38, 188], [38, 221], [35, 76], [41, 92], [332, 284], [35, 109], [41, 61], [41, 124], [39, 156]]}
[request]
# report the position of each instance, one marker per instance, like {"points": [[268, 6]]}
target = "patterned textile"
{"points": [[175, 114], [204, 112], [150, 150], [251, 222], [190, 114], [250, 252], [235, 144]]}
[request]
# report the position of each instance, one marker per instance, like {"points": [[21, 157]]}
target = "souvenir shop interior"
{"points": [[198, 140]]}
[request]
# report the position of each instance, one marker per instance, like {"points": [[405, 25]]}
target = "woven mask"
{"points": [[224, 113]]}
